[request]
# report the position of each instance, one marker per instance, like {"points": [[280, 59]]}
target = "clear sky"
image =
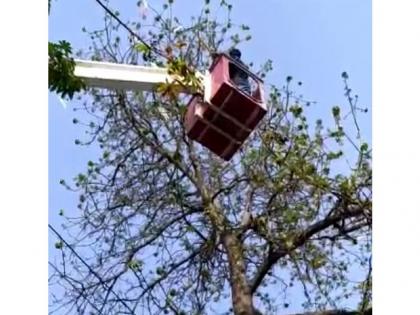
{"points": [[312, 40]]}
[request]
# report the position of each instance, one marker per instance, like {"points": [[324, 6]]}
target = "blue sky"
{"points": [[312, 40]]}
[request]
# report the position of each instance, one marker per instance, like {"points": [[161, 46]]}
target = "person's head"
{"points": [[235, 53]]}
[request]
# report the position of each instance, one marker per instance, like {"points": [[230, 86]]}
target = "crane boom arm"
{"points": [[120, 76]]}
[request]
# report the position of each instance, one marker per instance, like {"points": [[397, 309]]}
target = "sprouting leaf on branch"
{"points": [[184, 80], [143, 48], [61, 78], [59, 245], [134, 265]]}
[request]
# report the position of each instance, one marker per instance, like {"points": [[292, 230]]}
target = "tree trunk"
{"points": [[241, 292]]}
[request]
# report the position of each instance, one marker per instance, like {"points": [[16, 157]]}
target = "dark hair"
{"points": [[235, 53]]}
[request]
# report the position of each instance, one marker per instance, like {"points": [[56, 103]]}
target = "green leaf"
{"points": [[134, 264], [61, 78], [143, 48], [364, 147], [336, 111]]}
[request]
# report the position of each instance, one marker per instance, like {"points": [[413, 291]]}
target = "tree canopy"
{"points": [[166, 227]]}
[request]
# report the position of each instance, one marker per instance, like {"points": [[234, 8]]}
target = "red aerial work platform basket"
{"points": [[225, 116]]}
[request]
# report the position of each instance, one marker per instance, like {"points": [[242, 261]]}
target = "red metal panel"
{"points": [[193, 124], [242, 106], [214, 141], [224, 124], [204, 132], [219, 73], [239, 106]]}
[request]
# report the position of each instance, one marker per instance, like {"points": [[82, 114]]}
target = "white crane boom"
{"points": [[122, 76]]}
